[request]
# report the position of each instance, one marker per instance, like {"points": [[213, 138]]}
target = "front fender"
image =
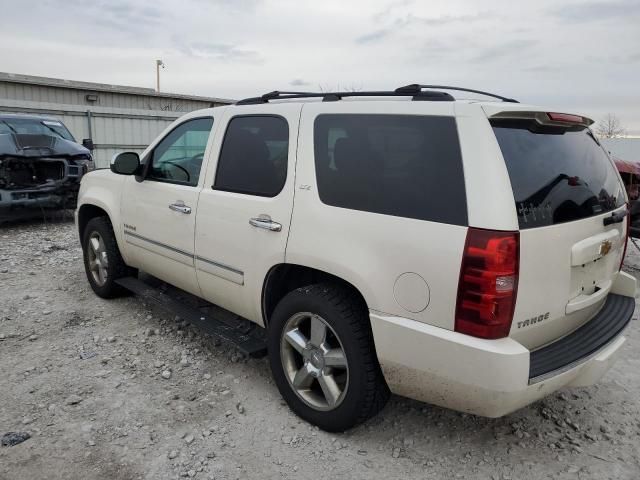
{"points": [[103, 189]]}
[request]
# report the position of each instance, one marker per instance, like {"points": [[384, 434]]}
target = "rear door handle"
{"points": [[266, 223], [180, 207]]}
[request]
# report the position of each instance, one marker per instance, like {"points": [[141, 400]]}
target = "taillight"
{"points": [[626, 236], [488, 283]]}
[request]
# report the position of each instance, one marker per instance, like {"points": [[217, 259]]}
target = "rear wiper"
{"points": [[10, 126], [593, 137], [615, 218]]}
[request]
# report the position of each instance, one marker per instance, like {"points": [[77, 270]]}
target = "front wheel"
{"points": [[323, 358], [102, 260]]}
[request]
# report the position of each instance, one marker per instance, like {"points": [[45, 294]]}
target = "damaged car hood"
{"points": [[34, 145]]}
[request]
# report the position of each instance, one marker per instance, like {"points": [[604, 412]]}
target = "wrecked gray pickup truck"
{"points": [[40, 166]]}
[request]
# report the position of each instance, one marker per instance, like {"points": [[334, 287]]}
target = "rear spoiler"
{"points": [[544, 118]]}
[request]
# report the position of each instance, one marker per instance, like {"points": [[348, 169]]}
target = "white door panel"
{"points": [[159, 213], [162, 242], [220, 270], [162, 249], [233, 257]]}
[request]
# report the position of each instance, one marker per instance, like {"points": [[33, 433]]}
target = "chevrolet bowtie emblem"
{"points": [[605, 247]]}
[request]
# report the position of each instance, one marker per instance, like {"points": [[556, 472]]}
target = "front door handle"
{"points": [[266, 223], [180, 207]]}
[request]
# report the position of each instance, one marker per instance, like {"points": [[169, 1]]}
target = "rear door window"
{"points": [[557, 174], [401, 165], [254, 155]]}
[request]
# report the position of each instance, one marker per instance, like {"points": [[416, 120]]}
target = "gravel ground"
{"points": [[117, 390]]}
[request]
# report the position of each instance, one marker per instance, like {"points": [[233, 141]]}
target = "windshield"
{"points": [[32, 126], [557, 174]]}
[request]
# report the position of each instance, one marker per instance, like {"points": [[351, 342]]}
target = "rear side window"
{"points": [[253, 158], [557, 174], [401, 165]]}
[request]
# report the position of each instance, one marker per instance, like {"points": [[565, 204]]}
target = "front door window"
{"points": [[178, 157]]}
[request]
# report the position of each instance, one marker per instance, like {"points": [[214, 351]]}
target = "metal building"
{"points": [[115, 117]]}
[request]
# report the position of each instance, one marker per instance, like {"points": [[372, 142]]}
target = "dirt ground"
{"points": [[117, 390]]}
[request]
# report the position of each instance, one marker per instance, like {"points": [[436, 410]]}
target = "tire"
{"points": [[103, 283], [362, 389]]}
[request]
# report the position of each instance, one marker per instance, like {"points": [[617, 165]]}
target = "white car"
{"points": [[463, 253]]}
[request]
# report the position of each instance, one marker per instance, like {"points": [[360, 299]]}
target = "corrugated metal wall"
{"points": [[74, 96], [113, 130], [116, 121]]}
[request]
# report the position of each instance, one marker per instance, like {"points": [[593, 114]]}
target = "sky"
{"points": [[574, 56]]}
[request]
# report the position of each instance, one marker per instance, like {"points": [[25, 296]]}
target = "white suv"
{"points": [[458, 252]]}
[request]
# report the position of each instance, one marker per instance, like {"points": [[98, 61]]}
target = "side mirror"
{"points": [[88, 144], [125, 163]]}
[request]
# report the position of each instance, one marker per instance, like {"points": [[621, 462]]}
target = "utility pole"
{"points": [[159, 63]]}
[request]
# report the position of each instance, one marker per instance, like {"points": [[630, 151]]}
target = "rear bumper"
{"points": [[490, 378], [583, 343]]}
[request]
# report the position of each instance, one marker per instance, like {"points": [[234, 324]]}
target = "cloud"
{"points": [[118, 11], [222, 51], [598, 11], [502, 50], [373, 36], [541, 68], [566, 54], [442, 20], [126, 18], [634, 57], [390, 8], [217, 51], [409, 20], [234, 5]]}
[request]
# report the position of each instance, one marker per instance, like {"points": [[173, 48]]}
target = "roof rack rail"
{"points": [[433, 96], [416, 91], [416, 88]]}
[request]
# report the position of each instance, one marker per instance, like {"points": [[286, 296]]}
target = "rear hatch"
{"points": [[570, 204]]}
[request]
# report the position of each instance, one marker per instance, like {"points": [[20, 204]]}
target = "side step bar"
{"points": [[253, 346]]}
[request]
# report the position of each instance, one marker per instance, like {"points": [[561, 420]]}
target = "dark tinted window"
{"points": [[402, 165], [178, 156], [253, 159], [557, 174]]}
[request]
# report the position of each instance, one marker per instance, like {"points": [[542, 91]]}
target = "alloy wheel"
{"points": [[98, 259], [314, 361]]}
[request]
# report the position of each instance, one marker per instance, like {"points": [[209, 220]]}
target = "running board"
{"points": [[253, 346]]}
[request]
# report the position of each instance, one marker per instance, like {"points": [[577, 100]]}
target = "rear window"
{"points": [[402, 165], [557, 174]]}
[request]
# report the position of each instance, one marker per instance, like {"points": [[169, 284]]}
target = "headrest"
{"points": [[351, 155]]}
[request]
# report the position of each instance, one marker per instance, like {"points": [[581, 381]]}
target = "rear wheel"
{"points": [[102, 260], [323, 358]]}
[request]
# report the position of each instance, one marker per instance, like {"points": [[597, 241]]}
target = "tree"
{"points": [[610, 127]]}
